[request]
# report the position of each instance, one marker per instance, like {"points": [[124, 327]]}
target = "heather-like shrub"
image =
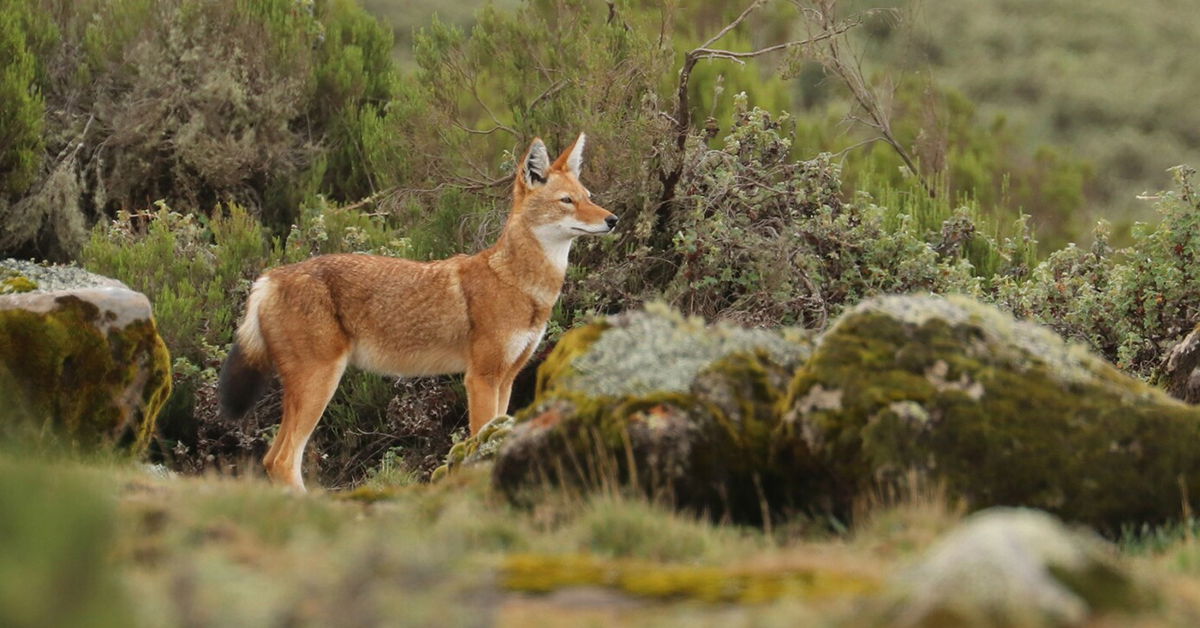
{"points": [[196, 271], [963, 155], [21, 117], [760, 238], [1129, 304], [260, 103]]}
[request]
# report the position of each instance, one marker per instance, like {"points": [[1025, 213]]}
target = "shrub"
{"points": [[984, 162], [1129, 304], [760, 238], [260, 103], [196, 271], [21, 118]]}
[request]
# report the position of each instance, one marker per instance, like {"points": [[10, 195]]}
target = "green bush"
{"points": [[22, 116], [260, 103], [760, 238], [1131, 304], [984, 163], [196, 271]]}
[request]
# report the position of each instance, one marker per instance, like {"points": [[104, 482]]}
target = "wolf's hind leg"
{"points": [[306, 392]]}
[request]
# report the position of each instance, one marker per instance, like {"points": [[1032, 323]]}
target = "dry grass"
{"points": [[209, 551]]}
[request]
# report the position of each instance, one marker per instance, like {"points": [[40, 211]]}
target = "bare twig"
{"points": [[682, 118], [550, 91], [463, 127], [847, 67]]}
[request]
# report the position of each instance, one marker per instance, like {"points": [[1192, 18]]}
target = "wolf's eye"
{"points": [[567, 199]]}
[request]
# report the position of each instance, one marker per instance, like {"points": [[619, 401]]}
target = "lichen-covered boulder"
{"points": [[1011, 567], [1000, 412], [85, 363], [668, 406]]}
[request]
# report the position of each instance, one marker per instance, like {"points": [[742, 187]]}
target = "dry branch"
{"points": [[682, 119], [837, 59]]}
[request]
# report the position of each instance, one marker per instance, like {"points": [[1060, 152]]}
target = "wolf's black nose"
{"points": [[611, 221]]}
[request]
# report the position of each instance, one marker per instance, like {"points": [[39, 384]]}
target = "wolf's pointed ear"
{"points": [[535, 167], [572, 159]]}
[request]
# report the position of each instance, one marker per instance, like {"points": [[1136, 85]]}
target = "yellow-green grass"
{"points": [[107, 542]]}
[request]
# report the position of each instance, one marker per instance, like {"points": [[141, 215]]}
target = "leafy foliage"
{"points": [[758, 237], [260, 103], [1130, 304]]}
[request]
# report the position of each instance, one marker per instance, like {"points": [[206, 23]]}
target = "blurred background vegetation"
{"points": [[183, 146]]}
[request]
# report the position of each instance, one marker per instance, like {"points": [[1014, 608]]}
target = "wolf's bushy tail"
{"points": [[247, 369], [240, 384]]}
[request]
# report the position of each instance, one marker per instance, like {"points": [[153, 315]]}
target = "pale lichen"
{"points": [[1020, 342], [660, 350]]}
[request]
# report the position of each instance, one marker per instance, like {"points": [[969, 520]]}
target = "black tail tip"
{"points": [[240, 384]]}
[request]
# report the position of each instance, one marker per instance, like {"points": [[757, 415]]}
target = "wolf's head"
{"points": [[549, 198]]}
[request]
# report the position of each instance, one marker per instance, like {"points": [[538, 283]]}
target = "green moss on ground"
{"points": [[480, 447], [745, 585]]}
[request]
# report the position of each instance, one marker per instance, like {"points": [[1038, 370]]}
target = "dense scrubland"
{"points": [[1003, 150]]}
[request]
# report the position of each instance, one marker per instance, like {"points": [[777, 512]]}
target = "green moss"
{"points": [[481, 446], [1001, 412], [16, 284], [540, 574], [60, 372]]}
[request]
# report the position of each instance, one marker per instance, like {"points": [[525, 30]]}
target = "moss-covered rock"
{"points": [[87, 364], [478, 448], [999, 411], [664, 405], [948, 391]]}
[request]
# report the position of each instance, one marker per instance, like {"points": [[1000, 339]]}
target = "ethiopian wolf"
{"points": [[481, 314]]}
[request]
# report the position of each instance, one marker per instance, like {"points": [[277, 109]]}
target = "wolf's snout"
{"points": [[611, 221]]}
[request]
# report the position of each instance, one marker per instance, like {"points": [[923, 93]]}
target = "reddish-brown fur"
{"points": [[483, 314]]}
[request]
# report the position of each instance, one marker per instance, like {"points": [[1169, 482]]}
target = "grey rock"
{"points": [[1012, 567], [87, 361], [1000, 412], [50, 278], [667, 405], [118, 307]]}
